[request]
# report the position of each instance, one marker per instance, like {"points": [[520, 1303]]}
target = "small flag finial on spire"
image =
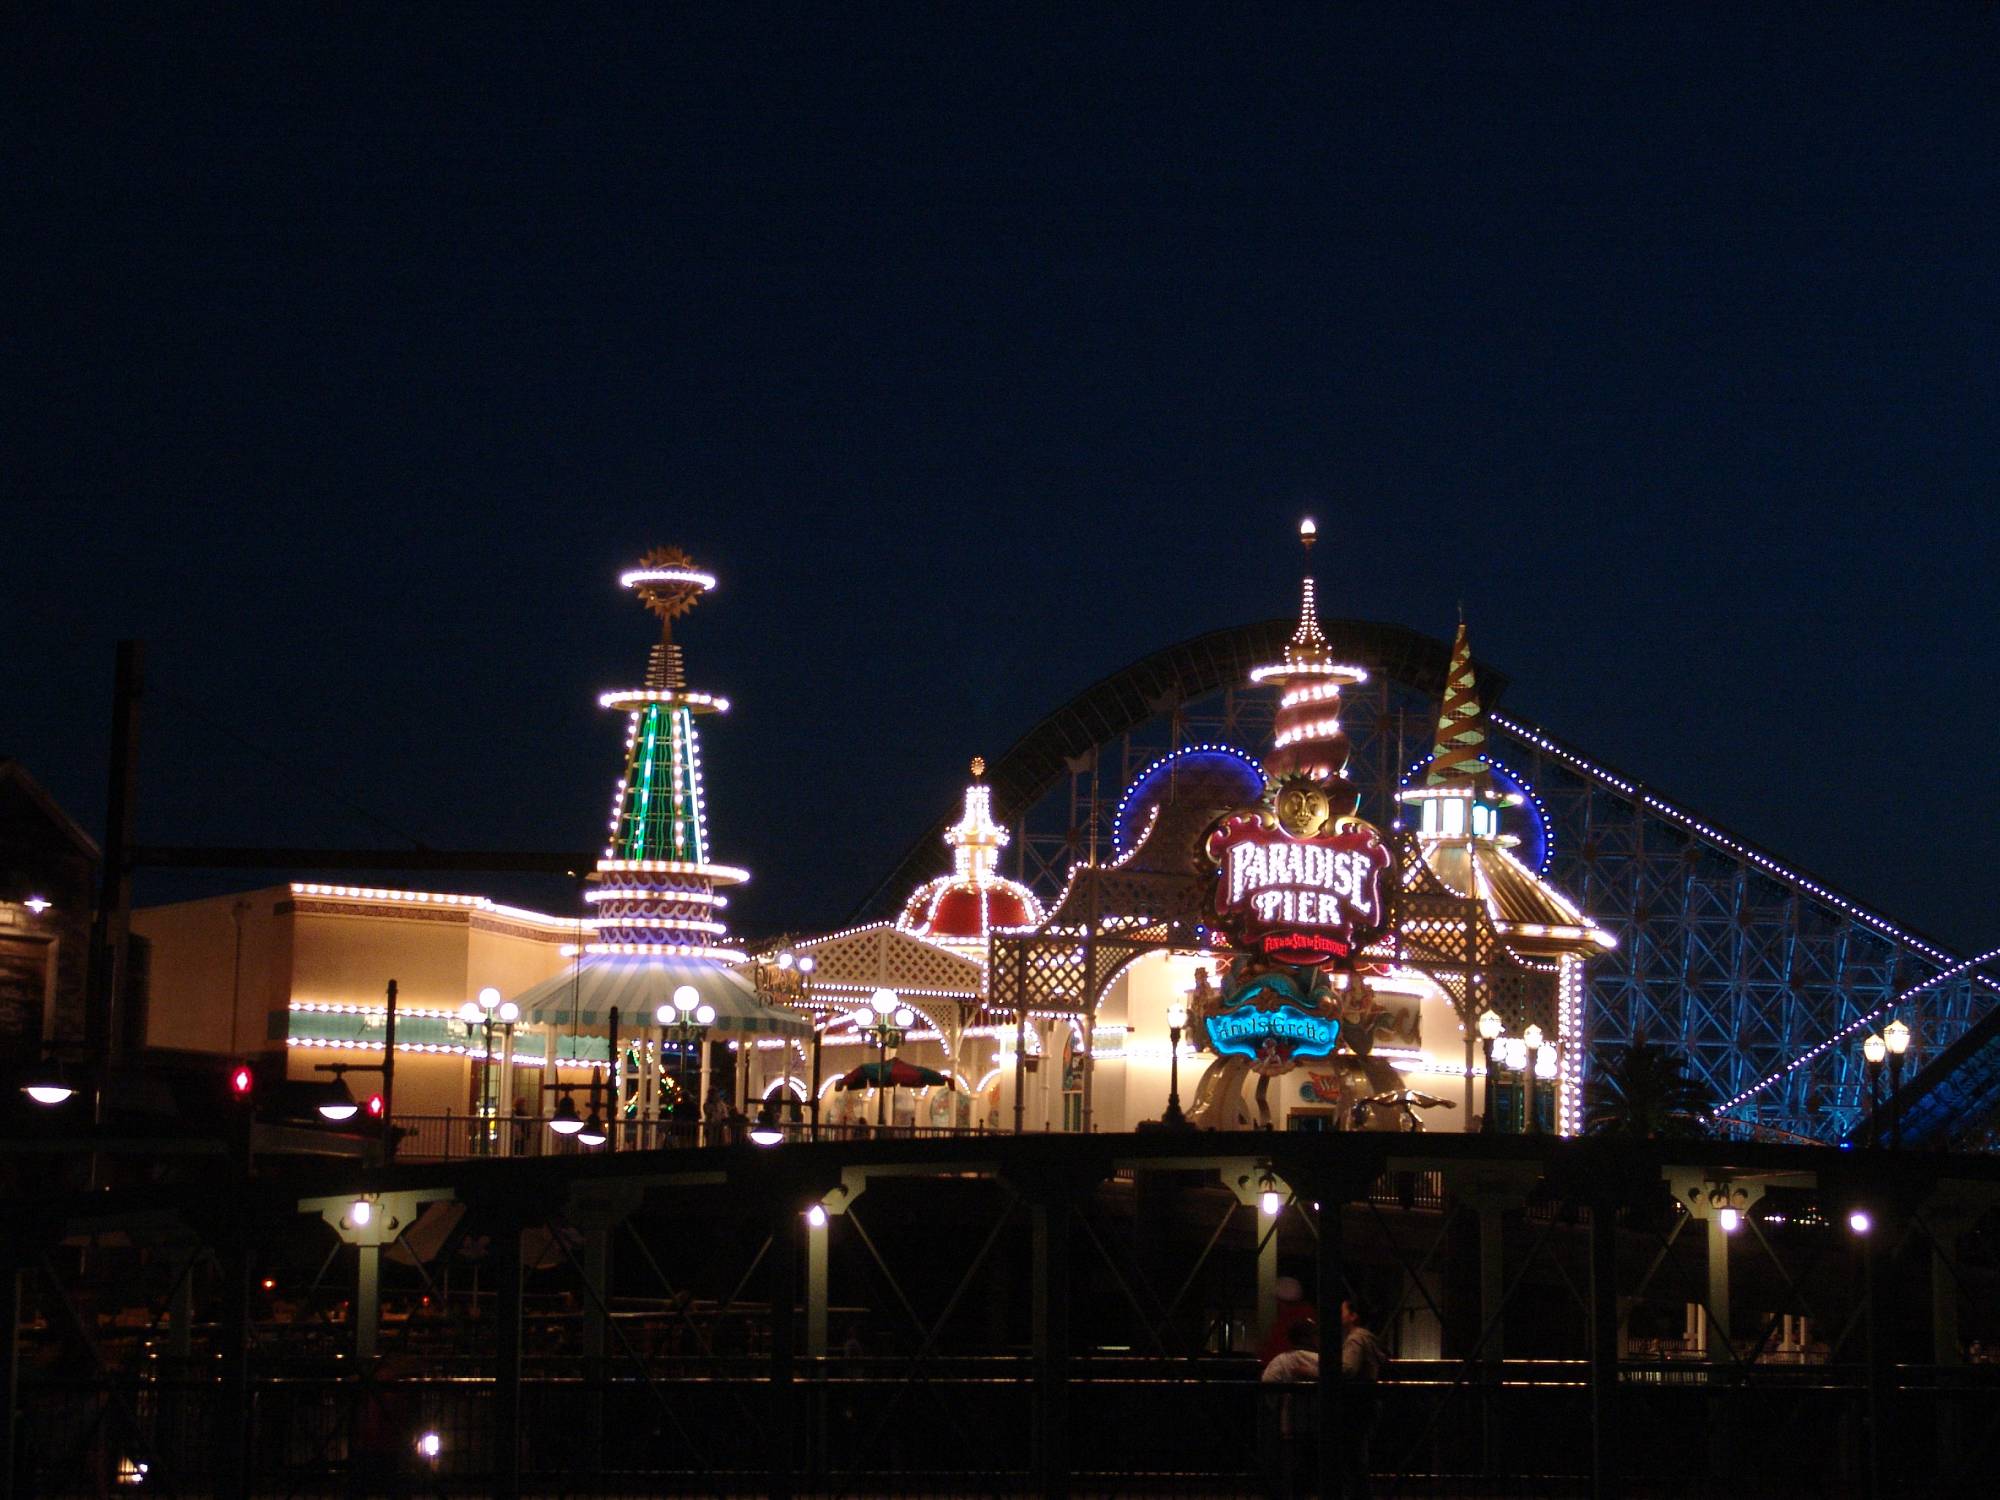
{"points": [[978, 765]]}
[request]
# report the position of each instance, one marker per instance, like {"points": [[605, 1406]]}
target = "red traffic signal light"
{"points": [[374, 1106], [242, 1081]]}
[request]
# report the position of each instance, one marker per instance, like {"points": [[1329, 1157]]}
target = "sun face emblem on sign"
{"points": [[1301, 806]]}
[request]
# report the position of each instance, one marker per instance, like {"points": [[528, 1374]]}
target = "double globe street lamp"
{"points": [[487, 1011], [686, 1018], [885, 1020], [1890, 1045]]}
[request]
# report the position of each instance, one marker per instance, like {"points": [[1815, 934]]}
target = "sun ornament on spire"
{"points": [[668, 583]]}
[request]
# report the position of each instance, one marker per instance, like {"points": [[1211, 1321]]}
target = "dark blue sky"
{"points": [[981, 351]]}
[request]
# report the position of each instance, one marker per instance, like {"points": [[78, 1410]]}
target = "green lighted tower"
{"points": [[655, 890]]}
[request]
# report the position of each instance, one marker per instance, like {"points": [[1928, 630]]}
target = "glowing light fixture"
{"points": [[1896, 1037], [470, 1013], [1533, 1037], [1860, 1221], [807, 963], [1875, 1049], [816, 1216], [47, 1086], [339, 1109], [361, 1213], [38, 904], [1731, 1219], [1490, 1025], [592, 1132], [429, 1446], [564, 1120], [508, 1013], [489, 998], [883, 1001]]}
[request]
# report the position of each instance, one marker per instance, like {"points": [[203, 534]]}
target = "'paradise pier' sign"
{"points": [[1299, 900]]}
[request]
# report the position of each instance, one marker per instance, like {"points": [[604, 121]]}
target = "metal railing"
{"points": [[468, 1137]]}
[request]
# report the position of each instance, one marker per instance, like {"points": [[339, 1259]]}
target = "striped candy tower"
{"points": [[1306, 737]]}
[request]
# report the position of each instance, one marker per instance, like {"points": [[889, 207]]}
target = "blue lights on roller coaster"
{"points": [[1237, 775]]}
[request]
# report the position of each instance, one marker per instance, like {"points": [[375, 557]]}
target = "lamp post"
{"points": [[1532, 1041], [804, 964], [1873, 1052], [1176, 1019], [342, 1110], [886, 1019], [1489, 1033], [1896, 1037], [687, 1016], [485, 1012], [1514, 1055]]}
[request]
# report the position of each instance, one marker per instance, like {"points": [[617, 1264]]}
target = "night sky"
{"points": [[350, 353]]}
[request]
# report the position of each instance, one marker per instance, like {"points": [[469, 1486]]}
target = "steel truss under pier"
{"points": [[998, 1314], [1758, 975]]}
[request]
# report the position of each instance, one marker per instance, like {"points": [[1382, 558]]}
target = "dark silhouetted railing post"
{"points": [[507, 1360], [784, 1314], [1603, 1346]]}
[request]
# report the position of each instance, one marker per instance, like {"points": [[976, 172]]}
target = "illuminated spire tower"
{"points": [[655, 890], [1458, 796], [1306, 737]]}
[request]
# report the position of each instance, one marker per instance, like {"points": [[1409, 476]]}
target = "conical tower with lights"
{"points": [[1460, 801], [656, 890], [1306, 737]]}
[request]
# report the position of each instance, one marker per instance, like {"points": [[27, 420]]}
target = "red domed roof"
{"points": [[969, 913], [969, 903]]}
